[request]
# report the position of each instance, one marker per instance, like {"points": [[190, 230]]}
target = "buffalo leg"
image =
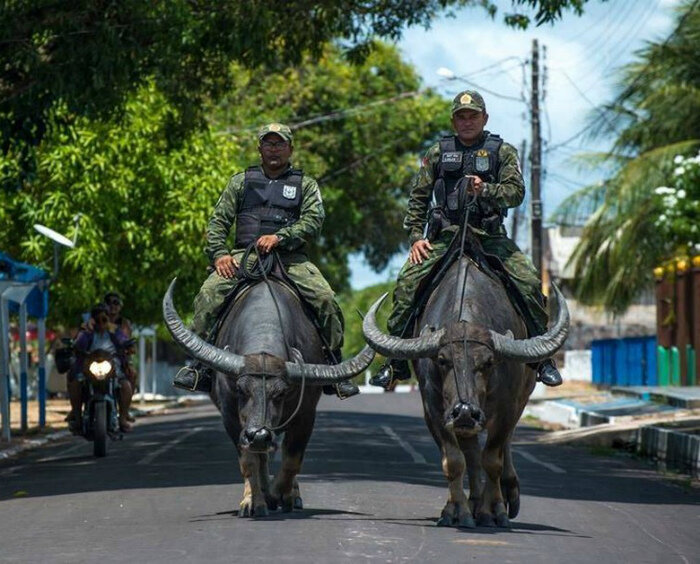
{"points": [[472, 455], [510, 485], [456, 511], [285, 487], [253, 503], [493, 508]]}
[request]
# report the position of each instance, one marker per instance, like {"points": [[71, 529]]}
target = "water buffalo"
{"points": [[470, 360], [269, 366]]}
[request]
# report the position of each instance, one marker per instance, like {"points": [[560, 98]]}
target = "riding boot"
{"points": [[194, 378], [547, 373], [391, 370], [345, 389]]}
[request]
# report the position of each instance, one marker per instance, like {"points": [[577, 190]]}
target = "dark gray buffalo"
{"points": [[269, 367], [472, 377]]}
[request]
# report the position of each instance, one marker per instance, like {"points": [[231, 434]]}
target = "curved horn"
{"points": [[331, 374], [397, 347], [219, 359], [536, 349]]}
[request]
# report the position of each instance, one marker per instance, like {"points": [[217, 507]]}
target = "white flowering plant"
{"points": [[678, 207]]}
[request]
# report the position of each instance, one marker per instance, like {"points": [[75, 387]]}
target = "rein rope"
{"points": [[460, 296], [260, 270]]}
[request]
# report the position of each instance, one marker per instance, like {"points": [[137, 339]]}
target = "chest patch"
{"points": [[481, 160], [452, 157], [289, 192]]}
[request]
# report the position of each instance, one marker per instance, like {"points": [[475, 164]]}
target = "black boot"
{"points": [[548, 374], [345, 389], [194, 378], [390, 371]]}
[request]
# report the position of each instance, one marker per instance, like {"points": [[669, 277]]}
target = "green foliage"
{"points": [[360, 301], [145, 199], [143, 205], [655, 119], [93, 56], [678, 208]]}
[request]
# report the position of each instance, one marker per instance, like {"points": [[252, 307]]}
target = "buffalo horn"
{"points": [[330, 374], [397, 347], [535, 349], [214, 357]]}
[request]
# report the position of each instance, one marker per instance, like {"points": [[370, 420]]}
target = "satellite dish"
{"points": [[54, 235]]}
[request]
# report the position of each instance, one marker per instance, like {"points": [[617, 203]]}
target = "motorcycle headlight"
{"points": [[100, 370]]}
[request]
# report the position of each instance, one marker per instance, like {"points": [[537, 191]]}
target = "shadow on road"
{"points": [[346, 447]]}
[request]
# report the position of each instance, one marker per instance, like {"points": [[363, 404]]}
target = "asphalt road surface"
{"points": [[372, 489]]}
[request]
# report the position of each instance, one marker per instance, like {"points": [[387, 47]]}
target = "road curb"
{"points": [[29, 444]]}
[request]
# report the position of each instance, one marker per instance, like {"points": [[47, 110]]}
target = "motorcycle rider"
{"points": [[99, 333]]}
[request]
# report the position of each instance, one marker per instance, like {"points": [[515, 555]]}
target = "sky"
{"points": [[581, 59]]}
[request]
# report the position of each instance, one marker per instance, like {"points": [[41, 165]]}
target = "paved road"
{"points": [[372, 489]]}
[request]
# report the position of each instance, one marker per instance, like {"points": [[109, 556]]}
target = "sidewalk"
{"points": [[661, 423], [57, 428]]}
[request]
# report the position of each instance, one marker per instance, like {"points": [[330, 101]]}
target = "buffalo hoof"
{"points": [[247, 509], [485, 520], [456, 515], [502, 521], [272, 502], [298, 504]]}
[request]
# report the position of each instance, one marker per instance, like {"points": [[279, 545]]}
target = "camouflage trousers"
{"points": [[313, 287], [519, 267]]}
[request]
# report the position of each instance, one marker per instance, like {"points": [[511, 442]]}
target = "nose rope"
{"points": [[460, 296]]}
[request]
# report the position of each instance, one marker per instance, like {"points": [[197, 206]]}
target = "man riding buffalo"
{"points": [[472, 169], [273, 207]]}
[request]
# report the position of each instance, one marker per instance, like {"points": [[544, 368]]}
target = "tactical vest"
{"points": [[449, 188], [267, 204]]}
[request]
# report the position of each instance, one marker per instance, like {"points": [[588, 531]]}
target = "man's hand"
{"points": [[476, 186], [267, 242], [226, 266], [420, 250]]}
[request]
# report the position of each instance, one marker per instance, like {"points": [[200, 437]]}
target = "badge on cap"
{"points": [[465, 99], [275, 127], [289, 192]]}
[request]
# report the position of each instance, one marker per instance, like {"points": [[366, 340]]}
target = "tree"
{"points": [[145, 200], [655, 119], [93, 55]]}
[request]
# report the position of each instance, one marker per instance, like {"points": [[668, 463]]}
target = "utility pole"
{"points": [[536, 162]]}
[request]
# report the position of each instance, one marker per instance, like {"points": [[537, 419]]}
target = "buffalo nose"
{"points": [[258, 438], [465, 415]]}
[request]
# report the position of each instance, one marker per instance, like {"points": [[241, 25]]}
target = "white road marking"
{"points": [[417, 456], [532, 458], [62, 453], [166, 447]]}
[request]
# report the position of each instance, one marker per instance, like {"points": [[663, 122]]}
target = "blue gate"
{"points": [[624, 362]]}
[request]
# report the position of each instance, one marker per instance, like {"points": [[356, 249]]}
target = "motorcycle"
{"points": [[100, 393], [100, 416]]}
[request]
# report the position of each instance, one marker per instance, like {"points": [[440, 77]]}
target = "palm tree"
{"points": [[654, 117]]}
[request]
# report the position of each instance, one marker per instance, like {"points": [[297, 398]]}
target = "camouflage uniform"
{"points": [[312, 285], [507, 192]]}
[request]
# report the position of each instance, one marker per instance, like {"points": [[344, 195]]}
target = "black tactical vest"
{"points": [[267, 204], [457, 161]]}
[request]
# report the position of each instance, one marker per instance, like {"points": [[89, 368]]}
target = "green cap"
{"points": [[468, 100], [279, 128]]}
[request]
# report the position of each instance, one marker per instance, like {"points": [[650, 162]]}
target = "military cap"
{"points": [[468, 100], [279, 128]]}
